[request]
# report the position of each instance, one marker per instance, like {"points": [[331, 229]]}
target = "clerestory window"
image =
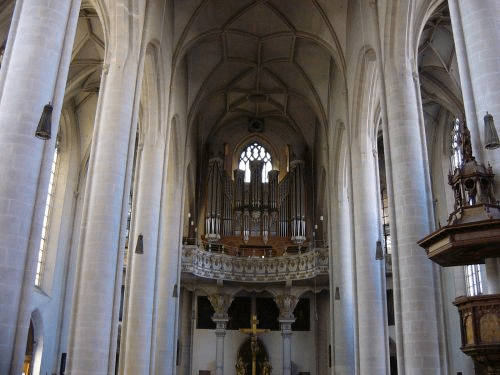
{"points": [[255, 151], [42, 252]]}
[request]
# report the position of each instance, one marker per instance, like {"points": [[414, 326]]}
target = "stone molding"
{"points": [[210, 265]]}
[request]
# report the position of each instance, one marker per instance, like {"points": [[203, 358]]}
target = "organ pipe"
{"points": [[214, 201], [236, 208]]}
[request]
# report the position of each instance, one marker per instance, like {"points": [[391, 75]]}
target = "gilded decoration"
{"points": [[469, 328], [489, 327]]}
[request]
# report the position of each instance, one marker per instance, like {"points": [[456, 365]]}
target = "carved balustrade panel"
{"points": [[203, 263]]}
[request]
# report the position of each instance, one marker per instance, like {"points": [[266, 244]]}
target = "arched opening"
{"points": [[30, 351]]}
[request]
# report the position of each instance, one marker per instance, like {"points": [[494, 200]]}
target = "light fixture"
{"points": [[490, 134], [337, 293], [45, 123], [139, 248], [379, 253]]}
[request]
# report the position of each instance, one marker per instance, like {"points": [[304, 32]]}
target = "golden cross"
{"points": [[254, 331]]}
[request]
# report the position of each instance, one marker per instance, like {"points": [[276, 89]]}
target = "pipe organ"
{"points": [[255, 210]]}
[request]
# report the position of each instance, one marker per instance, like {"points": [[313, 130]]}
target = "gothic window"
{"points": [[456, 143], [385, 222], [255, 151], [42, 252], [473, 280]]}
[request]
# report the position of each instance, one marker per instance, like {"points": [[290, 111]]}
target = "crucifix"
{"points": [[253, 332]]}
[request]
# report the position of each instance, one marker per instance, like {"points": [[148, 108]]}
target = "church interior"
{"points": [[249, 187]]}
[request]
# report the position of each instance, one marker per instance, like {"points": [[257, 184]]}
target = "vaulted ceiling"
{"points": [[438, 69], [271, 60]]}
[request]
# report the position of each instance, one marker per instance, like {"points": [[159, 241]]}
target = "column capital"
{"points": [[286, 304], [220, 302]]}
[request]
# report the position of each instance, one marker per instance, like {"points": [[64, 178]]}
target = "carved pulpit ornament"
{"points": [[472, 232], [471, 236], [253, 332]]}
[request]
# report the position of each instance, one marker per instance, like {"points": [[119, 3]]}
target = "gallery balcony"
{"points": [[253, 264]]}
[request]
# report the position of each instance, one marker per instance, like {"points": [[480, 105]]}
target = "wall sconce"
{"points": [[45, 123], [337, 293], [490, 133], [139, 248], [379, 252]]}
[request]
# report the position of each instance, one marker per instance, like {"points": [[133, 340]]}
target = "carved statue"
{"points": [[266, 368], [240, 367]]}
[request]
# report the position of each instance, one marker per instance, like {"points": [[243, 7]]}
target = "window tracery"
{"points": [[255, 151]]}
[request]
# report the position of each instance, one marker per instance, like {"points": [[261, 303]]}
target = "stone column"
{"points": [[465, 79], [188, 318], [415, 298], [475, 27], [93, 340], [479, 21], [286, 304], [220, 303], [137, 323], [168, 264], [370, 287], [34, 72]]}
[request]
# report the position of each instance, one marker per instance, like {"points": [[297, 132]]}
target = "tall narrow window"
{"points": [[385, 222], [473, 280], [255, 151], [456, 145], [42, 252]]}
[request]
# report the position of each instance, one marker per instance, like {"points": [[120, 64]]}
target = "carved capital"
{"points": [[220, 302], [286, 304]]}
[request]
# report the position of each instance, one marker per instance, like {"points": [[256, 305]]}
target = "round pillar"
{"points": [[370, 288], [34, 71], [91, 349], [138, 319], [415, 308], [220, 303], [286, 304]]}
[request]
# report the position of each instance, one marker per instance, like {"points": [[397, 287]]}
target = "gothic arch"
{"points": [[37, 322]]}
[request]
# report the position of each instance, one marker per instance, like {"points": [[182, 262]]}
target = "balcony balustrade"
{"points": [[254, 267]]}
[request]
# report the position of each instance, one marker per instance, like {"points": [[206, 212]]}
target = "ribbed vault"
{"points": [[260, 59]]}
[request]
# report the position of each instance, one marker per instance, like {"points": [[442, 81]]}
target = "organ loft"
{"points": [[257, 209]]}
